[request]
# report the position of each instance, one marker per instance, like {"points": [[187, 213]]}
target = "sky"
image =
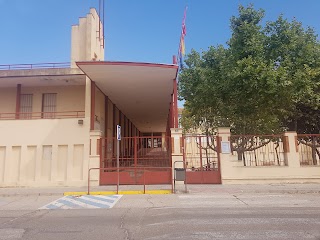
{"points": [[35, 31]]}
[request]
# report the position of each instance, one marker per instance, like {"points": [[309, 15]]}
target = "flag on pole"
{"points": [[183, 34], [182, 46]]}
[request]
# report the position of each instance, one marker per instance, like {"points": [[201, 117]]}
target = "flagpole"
{"points": [[181, 42], [179, 60], [181, 52]]}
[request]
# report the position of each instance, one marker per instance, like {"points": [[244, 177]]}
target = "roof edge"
{"points": [[133, 64]]}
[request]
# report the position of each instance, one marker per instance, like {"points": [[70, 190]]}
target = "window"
{"points": [[49, 105], [26, 106]]}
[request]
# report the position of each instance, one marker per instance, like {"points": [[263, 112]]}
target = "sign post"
{"points": [[118, 150]]}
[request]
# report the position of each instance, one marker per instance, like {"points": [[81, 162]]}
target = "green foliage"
{"points": [[297, 51], [264, 82]]}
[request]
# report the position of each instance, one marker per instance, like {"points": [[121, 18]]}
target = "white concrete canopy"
{"points": [[142, 91]]}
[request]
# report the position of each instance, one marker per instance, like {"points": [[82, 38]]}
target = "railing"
{"points": [[309, 149], [201, 153], [42, 115], [259, 150], [145, 174], [34, 66], [136, 151]]}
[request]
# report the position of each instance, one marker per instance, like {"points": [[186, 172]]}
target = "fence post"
{"points": [[176, 137], [135, 147], [224, 157], [291, 154], [96, 156], [144, 181], [89, 181]]}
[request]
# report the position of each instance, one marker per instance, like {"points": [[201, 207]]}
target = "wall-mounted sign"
{"points": [[118, 132], [225, 147]]}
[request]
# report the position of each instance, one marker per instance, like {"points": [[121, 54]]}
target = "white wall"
{"points": [[44, 152], [86, 44], [8, 100], [69, 98], [233, 171]]}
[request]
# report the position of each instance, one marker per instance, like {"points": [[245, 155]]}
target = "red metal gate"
{"points": [[142, 160], [202, 159]]}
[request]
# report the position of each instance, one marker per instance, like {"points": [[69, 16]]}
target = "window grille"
{"points": [[49, 105], [26, 106]]}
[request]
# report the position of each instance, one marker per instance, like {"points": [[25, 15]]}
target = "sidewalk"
{"points": [[255, 188], [59, 191], [192, 189]]}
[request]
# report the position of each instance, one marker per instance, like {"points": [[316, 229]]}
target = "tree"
{"points": [[200, 85], [252, 82], [297, 50], [264, 82], [234, 86]]}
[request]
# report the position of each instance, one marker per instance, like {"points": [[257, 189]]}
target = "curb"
{"points": [[119, 193], [61, 194], [256, 192], [30, 194]]}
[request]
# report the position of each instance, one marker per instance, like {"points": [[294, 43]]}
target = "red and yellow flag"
{"points": [[183, 34], [182, 46]]}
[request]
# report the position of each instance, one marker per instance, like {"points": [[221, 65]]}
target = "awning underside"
{"points": [[141, 91]]}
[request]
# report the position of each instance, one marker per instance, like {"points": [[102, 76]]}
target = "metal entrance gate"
{"points": [[142, 160], [202, 159]]}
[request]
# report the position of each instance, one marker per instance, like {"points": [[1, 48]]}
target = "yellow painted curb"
{"points": [[120, 192], [73, 193], [158, 192]]}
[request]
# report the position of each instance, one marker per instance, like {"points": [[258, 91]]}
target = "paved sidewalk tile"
{"points": [[83, 202]]}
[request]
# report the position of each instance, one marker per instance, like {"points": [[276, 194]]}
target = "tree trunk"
{"points": [[314, 156], [318, 153], [239, 153], [255, 158], [241, 156], [276, 149]]}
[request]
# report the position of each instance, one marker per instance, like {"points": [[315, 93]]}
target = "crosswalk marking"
{"points": [[92, 203], [100, 199], [68, 203], [83, 202]]}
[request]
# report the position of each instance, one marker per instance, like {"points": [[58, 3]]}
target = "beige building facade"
{"points": [[55, 117], [58, 121]]}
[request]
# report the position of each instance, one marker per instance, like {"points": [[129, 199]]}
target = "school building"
{"points": [[57, 120], [58, 127]]}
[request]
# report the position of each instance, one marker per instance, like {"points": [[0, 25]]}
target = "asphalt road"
{"points": [[189, 216]]}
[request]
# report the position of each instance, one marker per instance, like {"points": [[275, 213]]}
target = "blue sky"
{"points": [[34, 31]]}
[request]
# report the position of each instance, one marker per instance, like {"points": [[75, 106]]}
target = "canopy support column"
{"points": [[175, 99], [93, 104], [18, 100]]}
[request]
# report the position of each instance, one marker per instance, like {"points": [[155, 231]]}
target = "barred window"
{"points": [[49, 105], [26, 106]]}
